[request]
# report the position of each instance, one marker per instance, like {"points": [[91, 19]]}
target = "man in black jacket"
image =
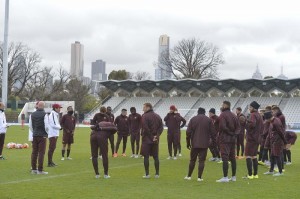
{"points": [[39, 127]]}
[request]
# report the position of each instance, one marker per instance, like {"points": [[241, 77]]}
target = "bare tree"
{"points": [[23, 64], [40, 85], [192, 58], [141, 75], [78, 92]]}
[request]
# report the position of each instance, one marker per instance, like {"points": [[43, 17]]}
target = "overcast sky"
{"points": [[125, 33]]}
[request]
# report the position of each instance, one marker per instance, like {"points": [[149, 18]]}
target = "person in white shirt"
{"points": [[53, 133], [3, 128]]}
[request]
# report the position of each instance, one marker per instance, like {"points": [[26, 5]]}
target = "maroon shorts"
{"points": [[227, 151], [276, 149], [251, 149], [68, 138], [149, 150]]}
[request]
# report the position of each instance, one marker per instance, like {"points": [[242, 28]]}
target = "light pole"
{"points": [[5, 55]]}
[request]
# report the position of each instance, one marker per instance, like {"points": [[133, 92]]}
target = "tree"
{"points": [[141, 75], [119, 75], [76, 91], [192, 58], [23, 64], [104, 93], [40, 85]]}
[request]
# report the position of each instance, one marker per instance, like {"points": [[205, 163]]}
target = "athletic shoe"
{"points": [[187, 178], [237, 157], [68, 158], [132, 156], [267, 163], [220, 162], [156, 176], [212, 159], [100, 157], [224, 179], [248, 177], [174, 158], [169, 158], [288, 163], [106, 176], [123, 155], [33, 172], [269, 173], [233, 179], [255, 176], [146, 176], [241, 157], [115, 155], [91, 158], [278, 174], [261, 163], [64, 158], [2, 158], [42, 173], [50, 165], [97, 176], [199, 180], [136, 156], [179, 154]]}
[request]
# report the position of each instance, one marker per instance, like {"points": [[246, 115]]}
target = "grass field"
{"points": [[75, 178]]}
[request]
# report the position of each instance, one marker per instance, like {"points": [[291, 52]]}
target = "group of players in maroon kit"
{"points": [[223, 135]]}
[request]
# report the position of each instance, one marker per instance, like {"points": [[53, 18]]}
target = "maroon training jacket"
{"points": [[200, 130]]}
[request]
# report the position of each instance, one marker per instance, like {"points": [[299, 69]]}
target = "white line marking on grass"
{"points": [[63, 175]]}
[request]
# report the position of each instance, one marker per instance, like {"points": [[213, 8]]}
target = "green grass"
{"points": [[75, 178]]}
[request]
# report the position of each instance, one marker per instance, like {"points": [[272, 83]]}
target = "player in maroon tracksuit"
{"points": [[291, 138], [276, 112], [276, 141], [198, 135], [101, 132], [68, 123], [228, 129], [174, 122], [213, 145], [241, 137], [135, 125], [254, 130], [111, 137], [100, 117], [263, 152], [123, 131], [179, 134], [152, 128]]}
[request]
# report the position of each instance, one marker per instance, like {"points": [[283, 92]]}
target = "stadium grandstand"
{"points": [[189, 94]]}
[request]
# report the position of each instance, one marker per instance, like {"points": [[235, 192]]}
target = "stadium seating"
{"points": [[263, 101], [292, 112], [136, 102], [113, 102], [187, 106], [183, 104]]}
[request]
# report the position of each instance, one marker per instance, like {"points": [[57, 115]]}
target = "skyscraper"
{"points": [[77, 63], [98, 70], [162, 71]]}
